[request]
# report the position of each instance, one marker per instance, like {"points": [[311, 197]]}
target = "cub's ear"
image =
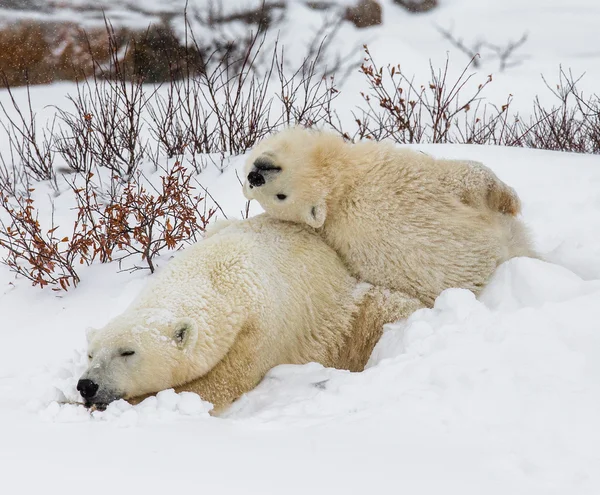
{"points": [[185, 334], [316, 214], [90, 333]]}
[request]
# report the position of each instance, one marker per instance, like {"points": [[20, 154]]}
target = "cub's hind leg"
{"points": [[478, 186]]}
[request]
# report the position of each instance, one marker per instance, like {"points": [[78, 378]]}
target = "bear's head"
{"points": [[138, 353], [287, 174]]}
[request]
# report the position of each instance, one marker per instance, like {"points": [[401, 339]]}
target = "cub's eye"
{"points": [[89, 356], [127, 353], [281, 197]]}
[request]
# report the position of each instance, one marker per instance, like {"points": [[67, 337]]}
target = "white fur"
{"points": [[398, 218], [255, 294]]}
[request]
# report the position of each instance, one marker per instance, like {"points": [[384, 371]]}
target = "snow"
{"points": [[494, 395], [165, 406]]}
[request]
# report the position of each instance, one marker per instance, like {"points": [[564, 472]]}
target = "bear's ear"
{"points": [[215, 227], [90, 333], [316, 214], [185, 334]]}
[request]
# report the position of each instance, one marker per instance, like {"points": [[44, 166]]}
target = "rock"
{"points": [[417, 5], [366, 13], [262, 16], [320, 5]]}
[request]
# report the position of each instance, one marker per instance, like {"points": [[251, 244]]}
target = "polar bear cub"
{"points": [[398, 218], [253, 295]]}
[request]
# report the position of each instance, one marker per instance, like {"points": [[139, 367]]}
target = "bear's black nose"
{"points": [[255, 179], [87, 388]]}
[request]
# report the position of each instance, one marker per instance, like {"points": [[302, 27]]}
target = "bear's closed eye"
{"points": [[281, 197], [127, 353]]}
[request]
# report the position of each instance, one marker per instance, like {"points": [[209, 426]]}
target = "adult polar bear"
{"points": [[252, 295], [399, 218]]}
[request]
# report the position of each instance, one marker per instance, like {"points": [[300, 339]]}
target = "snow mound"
{"points": [[514, 374], [166, 406], [528, 347], [523, 282], [527, 371]]}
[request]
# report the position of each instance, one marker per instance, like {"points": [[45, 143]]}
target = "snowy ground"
{"points": [[500, 395], [495, 396]]}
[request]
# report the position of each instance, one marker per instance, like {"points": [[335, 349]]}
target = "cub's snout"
{"points": [[262, 169], [256, 179]]}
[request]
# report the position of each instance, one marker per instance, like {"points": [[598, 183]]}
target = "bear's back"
{"points": [[282, 273]]}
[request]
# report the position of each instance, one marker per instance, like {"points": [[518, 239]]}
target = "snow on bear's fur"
{"points": [[252, 295], [398, 218]]}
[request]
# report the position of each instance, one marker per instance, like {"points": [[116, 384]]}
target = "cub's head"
{"points": [[138, 353], [287, 174]]}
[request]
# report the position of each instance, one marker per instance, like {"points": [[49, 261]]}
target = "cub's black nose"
{"points": [[255, 179], [87, 388]]}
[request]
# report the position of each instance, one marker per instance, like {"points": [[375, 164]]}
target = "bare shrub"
{"points": [[137, 221], [398, 109], [486, 123], [238, 101], [134, 222], [37, 254], [34, 149], [473, 52], [227, 108], [506, 53], [223, 109], [104, 130], [573, 124], [590, 111], [306, 97], [13, 179], [445, 111], [480, 49]]}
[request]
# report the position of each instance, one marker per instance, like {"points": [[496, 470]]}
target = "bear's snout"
{"points": [[256, 179], [87, 388]]}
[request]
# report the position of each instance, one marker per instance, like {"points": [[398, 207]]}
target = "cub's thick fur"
{"points": [[399, 218], [253, 295]]}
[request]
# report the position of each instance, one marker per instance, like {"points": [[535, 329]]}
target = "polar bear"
{"points": [[398, 218], [253, 295]]}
